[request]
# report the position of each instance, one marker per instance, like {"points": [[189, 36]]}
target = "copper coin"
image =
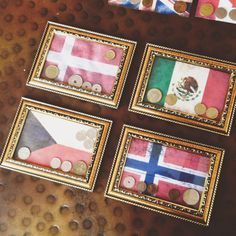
{"points": [[206, 9], [200, 109], [171, 99], [174, 194], [147, 3], [180, 6], [141, 186], [232, 14], [221, 13], [152, 188], [212, 113]]}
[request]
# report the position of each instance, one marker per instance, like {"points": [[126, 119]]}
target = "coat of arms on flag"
{"points": [[64, 144], [165, 174], [82, 64], [181, 8], [187, 88], [218, 10]]}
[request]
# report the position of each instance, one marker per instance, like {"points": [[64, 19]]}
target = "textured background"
{"points": [[30, 206]]}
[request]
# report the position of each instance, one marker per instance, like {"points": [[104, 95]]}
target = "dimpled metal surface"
{"points": [[30, 206]]}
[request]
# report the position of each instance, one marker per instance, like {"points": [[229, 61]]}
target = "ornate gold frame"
{"points": [[85, 183], [202, 214], [136, 105], [112, 100]]}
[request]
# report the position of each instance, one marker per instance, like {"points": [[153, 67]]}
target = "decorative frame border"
{"points": [[201, 215], [112, 100], [86, 183], [222, 127]]}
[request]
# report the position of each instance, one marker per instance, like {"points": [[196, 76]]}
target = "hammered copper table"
{"points": [[30, 206]]}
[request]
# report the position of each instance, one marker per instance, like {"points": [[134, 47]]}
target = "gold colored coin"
{"points": [[200, 109], [154, 95], [80, 168], [207, 9], [110, 55], [212, 113], [221, 13], [141, 186], [147, 3], [152, 188], [171, 99], [232, 14], [51, 72], [191, 197], [180, 6]]}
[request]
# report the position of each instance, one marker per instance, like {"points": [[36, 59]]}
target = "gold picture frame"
{"points": [[200, 214], [92, 69], [37, 134], [138, 104]]}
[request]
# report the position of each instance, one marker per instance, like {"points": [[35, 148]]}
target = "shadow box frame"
{"points": [[200, 216], [223, 127], [87, 182], [35, 81]]}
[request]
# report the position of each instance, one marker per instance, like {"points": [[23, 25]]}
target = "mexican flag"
{"points": [[190, 83]]}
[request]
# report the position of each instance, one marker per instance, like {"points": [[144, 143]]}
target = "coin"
{"points": [[212, 113], [141, 186], [171, 99], [147, 3], [129, 182], [80, 168], [66, 166], [191, 197], [88, 144], [206, 9], [80, 135], [154, 95], [110, 54], [232, 14], [92, 133], [180, 6], [24, 153], [152, 188], [97, 88], [220, 12], [75, 80], [87, 85], [174, 194], [200, 109], [51, 72], [55, 163]]}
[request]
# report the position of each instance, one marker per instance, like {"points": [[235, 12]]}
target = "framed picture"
{"points": [[166, 174], [56, 144], [82, 64], [186, 88]]}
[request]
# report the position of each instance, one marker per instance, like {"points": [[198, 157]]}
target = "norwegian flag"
{"points": [[73, 55], [169, 168]]}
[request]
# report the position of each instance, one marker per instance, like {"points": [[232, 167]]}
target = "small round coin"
{"points": [[55, 163], [221, 13], [97, 88], [87, 86], [75, 80], [171, 99], [110, 55], [200, 109], [180, 7], [129, 182], [212, 113], [232, 14], [66, 166], [154, 95], [92, 133], [80, 135], [191, 197], [51, 72], [174, 194], [141, 186], [80, 168], [206, 9], [24, 153], [88, 144], [152, 188], [147, 3]]}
